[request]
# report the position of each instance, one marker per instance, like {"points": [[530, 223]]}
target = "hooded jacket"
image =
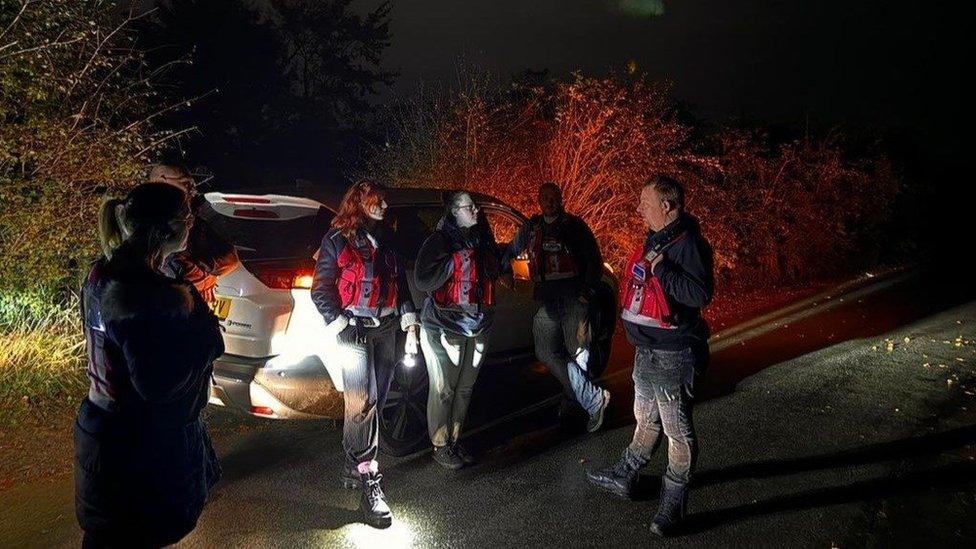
{"points": [[435, 265]]}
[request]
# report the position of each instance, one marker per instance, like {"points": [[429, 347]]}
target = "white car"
{"points": [[277, 361]]}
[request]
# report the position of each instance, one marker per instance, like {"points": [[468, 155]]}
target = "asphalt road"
{"points": [[851, 422]]}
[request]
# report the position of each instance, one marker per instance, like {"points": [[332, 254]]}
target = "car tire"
{"points": [[403, 416]]}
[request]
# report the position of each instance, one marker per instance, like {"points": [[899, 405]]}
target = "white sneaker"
{"points": [[596, 420]]}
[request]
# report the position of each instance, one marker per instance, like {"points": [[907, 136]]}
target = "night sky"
{"points": [[894, 64]]}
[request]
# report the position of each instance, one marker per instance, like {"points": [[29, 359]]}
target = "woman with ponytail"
{"points": [[143, 459]]}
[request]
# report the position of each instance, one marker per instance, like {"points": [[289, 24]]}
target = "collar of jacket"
{"points": [[561, 218], [466, 239], [375, 237], [659, 239]]}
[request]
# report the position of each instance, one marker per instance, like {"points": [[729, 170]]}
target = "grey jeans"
{"points": [[367, 370], [562, 339], [453, 363], [663, 397]]}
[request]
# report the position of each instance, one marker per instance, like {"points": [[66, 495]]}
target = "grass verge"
{"points": [[42, 356]]}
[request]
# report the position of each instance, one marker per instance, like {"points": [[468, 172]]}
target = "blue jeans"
{"points": [[663, 397], [562, 333]]}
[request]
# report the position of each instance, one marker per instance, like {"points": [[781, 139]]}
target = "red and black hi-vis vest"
{"points": [[102, 370], [549, 257], [367, 277], [642, 298], [464, 289]]}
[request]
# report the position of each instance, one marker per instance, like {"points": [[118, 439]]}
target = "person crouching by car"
{"points": [[144, 463], [360, 289], [457, 266], [208, 254]]}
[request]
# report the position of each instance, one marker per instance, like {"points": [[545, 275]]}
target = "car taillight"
{"points": [[302, 281], [262, 411], [278, 276], [255, 213], [247, 200]]}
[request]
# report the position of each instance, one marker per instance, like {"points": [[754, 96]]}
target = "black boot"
{"points": [[466, 457], [373, 503], [671, 508], [446, 456], [618, 479], [349, 478]]}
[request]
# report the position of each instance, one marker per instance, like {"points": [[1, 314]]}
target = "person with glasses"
{"points": [[208, 254], [457, 267]]}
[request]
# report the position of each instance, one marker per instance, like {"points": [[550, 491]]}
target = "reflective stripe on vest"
{"points": [[549, 258], [100, 369], [462, 288], [642, 297], [365, 287]]}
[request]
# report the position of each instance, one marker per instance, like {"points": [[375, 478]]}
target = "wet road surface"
{"points": [[806, 427]]}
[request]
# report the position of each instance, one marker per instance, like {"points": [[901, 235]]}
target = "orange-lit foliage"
{"points": [[771, 213]]}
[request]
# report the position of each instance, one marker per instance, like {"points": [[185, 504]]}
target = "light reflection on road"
{"points": [[399, 534]]}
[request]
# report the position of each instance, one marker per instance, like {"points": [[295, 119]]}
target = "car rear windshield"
{"points": [[257, 239]]}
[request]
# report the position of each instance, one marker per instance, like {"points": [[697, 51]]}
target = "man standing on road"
{"points": [[667, 282], [565, 265]]}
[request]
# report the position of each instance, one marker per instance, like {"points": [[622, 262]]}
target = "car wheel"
{"points": [[403, 418]]}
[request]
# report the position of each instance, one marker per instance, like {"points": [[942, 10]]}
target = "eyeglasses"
{"points": [[469, 207]]}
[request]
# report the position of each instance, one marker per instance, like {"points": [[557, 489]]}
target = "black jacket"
{"points": [[143, 471], [325, 292], [686, 274], [581, 243], [435, 266]]}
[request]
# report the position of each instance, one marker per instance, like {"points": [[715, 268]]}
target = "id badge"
{"points": [[639, 272]]}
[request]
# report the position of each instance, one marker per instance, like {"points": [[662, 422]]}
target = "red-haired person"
{"points": [[360, 288], [457, 266]]}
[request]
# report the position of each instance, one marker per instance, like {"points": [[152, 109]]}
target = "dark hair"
{"points": [[669, 189], [146, 213], [552, 186]]}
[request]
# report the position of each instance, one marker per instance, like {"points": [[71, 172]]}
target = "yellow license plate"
{"points": [[222, 308]]}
